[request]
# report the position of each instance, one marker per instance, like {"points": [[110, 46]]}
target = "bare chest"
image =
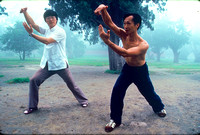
{"points": [[128, 45]]}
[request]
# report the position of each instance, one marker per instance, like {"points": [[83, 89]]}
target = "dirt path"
{"points": [[60, 113]]}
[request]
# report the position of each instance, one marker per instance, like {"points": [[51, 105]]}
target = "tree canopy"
{"points": [[79, 15], [168, 34], [2, 10], [178, 37], [17, 40], [195, 45], [74, 44]]}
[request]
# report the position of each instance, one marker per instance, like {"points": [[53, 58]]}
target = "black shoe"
{"points": [[162, 113], [30, 110]]}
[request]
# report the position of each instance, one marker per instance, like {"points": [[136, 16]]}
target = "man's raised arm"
{"points": [[133, 51], [102, 10], [29, 19]]}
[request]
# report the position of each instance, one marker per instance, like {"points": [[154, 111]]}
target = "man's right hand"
{"points": [[98, 10], [23, 10]]}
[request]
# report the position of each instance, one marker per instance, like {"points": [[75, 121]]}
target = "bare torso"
{"points": [[139, 59]]}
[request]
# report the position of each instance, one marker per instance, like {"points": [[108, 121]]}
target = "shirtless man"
{"points": [[135, 70]]}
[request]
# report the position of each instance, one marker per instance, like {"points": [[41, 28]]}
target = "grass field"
{"points": [[171, 65], [16, 62], [90, 61], [181, 68], [83, 61]]}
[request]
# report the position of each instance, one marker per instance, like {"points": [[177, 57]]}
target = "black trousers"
{"points": [[140, 77]]}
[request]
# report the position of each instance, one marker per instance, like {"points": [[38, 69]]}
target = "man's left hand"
{"points": [[27, 28], [104, 36]]}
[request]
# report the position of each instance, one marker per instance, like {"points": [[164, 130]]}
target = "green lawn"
{"points": [[171, 65], [182, 68], [83, 61], [90, 61], [17, 62]]}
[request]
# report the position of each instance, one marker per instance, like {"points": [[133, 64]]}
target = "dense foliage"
{"points": [[79, 15], [168, 34], [16, 39], [2, 10]]}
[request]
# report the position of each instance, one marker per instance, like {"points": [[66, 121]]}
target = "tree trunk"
{"points": [[24, 55], [115, 61], [20, 57]]}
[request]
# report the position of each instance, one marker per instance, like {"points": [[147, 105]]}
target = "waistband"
{"points": [[135, 67]]}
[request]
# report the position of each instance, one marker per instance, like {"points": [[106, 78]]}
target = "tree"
{"points": [[75, 47], [178, 37], [16, 39], [2, 10], [195, 44], [185, 51], [80, 16], [2, 29], [156, 38], [167, 34]]}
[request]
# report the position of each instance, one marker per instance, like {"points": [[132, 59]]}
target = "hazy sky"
{"points": [[189, 10], [35, 9]]}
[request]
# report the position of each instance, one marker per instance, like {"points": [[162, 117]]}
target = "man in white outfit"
{"points": [[54, 60]]}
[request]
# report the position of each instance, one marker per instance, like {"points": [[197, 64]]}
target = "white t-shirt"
{"points": [[54, 53]]}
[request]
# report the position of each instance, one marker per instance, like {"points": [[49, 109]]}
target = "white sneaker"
{"points": [[110, 126], [162, 113]]}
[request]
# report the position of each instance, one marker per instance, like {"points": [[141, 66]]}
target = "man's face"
{"points": [[129, 25], [51, 21]]}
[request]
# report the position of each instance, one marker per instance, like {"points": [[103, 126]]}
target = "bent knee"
{"points": [[35, 80]]}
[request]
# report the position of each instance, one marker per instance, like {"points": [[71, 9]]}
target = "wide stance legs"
{"points": [[42, 74], [140, 77]]}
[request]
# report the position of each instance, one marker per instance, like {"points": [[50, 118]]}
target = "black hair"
{"points": [[48, 13], [136, 18]]}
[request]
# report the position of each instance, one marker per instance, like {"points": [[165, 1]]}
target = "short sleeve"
{"points": [[59, 35], [42, 30]]}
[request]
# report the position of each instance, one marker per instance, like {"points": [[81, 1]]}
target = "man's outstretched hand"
{"points": [[98, 10], [104, 36], [28, 29]]}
